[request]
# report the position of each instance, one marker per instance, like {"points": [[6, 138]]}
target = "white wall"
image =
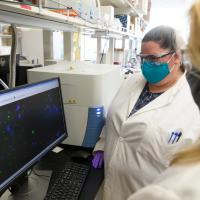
{"points": [[172, 13], [32, 45], [88, 48], [58, 45]]}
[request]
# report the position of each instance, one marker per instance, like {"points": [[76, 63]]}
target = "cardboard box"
{"points": [[107, 14]]}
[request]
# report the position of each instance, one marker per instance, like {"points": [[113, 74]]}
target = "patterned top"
{"points": [[145, 97]]}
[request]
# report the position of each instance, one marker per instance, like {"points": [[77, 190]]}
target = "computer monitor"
{"points": [[32, 122]]}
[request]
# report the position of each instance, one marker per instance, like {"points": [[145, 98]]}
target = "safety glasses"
{"points": [[152, 58]]}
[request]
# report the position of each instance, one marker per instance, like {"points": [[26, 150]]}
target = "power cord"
{"points": [[17, 184], [40, 175], [102, 55]]}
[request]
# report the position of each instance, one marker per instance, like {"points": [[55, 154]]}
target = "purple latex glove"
{"points": [[98, 159]]}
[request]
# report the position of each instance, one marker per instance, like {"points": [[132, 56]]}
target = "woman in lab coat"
{"points": [[151, 117], [182, 179]]}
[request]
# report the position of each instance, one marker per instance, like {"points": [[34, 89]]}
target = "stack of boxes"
{"points": [[109, 21], [135, 25], [107, 13]]}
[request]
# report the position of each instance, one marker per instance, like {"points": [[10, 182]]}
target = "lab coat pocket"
{"points": [[155, 147], [178, 140], [172, 149]]}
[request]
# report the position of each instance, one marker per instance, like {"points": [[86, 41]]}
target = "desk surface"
{"points": [[55, 162]]}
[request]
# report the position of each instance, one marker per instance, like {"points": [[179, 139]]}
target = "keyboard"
{"points": [[69, 182]]}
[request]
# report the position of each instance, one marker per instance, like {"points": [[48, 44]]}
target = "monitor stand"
{"points": [[34, 188]]}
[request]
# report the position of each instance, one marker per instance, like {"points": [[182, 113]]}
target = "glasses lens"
{"points": [[153, 58]]}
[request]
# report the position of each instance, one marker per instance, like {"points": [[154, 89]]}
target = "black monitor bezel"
{"points": [[35, 159]]}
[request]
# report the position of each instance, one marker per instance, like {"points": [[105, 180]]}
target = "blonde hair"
{"points": [[194, 41], [189, 155], [192, 154]]}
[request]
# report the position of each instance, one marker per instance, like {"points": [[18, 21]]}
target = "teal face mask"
{"points": [[155, 72]]}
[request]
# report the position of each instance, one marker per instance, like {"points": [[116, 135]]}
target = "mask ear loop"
{"points": [[171, 69], [170, 58]]}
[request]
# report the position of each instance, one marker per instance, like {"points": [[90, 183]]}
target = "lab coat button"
{"points": [[121, 139]]}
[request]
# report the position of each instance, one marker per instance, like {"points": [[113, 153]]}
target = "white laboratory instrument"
{"points": [[87, 90]]}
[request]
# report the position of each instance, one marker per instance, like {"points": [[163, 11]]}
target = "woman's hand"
{"points": [[98, 159]]}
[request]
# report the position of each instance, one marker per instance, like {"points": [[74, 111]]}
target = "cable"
{"points": [[3, 84], [79, 15], [102, 55], [17, 184], [40, 175]]}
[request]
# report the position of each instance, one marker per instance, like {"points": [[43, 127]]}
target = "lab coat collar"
{"points": [[165, 98], [138, 87]]}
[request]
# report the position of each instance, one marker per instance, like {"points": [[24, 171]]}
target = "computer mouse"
{"points": [[80, 156]]}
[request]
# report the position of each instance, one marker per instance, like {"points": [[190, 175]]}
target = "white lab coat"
{"points": [[136, 148], [176, 183]]}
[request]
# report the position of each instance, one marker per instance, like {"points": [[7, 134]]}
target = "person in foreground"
{"points": [[179, 182], [152, 116], [182, 179]]}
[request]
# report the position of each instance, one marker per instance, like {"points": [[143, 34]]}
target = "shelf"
{"points": [[34, 17], [111, 33], [5, 36], [42, 18], [123, 7], [115, 3], [124, 34]]}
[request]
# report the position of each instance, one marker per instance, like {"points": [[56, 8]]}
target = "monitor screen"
{"points": [[32, 122]]}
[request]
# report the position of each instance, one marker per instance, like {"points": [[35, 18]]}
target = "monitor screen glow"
{"points": [[32, 122]]}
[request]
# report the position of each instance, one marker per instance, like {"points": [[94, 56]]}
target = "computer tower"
{"points": [[4, 67]]}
